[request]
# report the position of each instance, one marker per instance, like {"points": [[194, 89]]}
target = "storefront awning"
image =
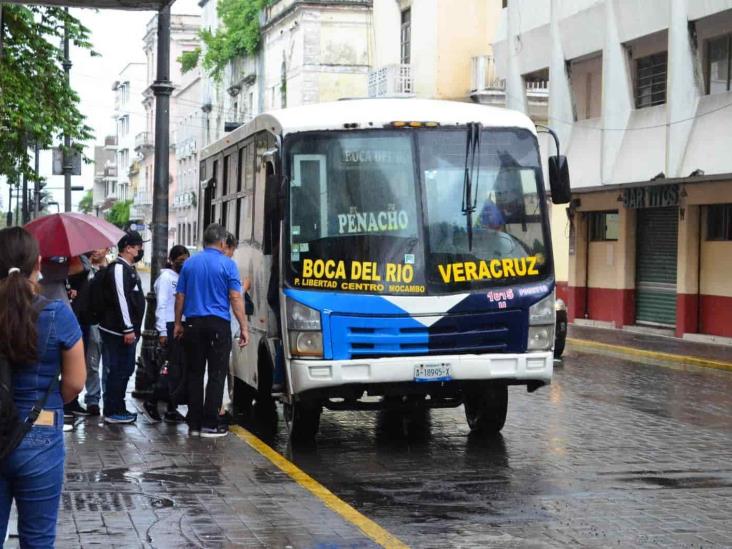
{"points": [[102, 4]]}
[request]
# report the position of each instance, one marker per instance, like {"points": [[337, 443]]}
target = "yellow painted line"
{"points": [[372, 530], [656, 355]]}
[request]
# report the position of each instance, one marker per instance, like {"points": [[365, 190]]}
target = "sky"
{"points": [[118, 36]]}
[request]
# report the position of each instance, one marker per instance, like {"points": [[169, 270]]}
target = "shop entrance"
{"points": [[656, 249]]}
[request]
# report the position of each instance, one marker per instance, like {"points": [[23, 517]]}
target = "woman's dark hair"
{"points": [[231, 241], [18, 258], [177, 251]]}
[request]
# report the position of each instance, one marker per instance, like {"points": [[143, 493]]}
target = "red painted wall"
{"points": [[607, 304], [716, 315]]}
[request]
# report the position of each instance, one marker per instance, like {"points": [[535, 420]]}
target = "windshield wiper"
{"points": [[470, 197]]}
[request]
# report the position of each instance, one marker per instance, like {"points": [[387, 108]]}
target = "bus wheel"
{"points": [[303, 420], [242, 398], [485, 408]]}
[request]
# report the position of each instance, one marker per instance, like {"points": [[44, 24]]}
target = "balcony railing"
{"points": [[391, 81], [484, 74], [144, 140], [142, 198], [184, 199], [110, 171]]}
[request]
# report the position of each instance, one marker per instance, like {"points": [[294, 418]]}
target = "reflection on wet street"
{"points": [[613, 452]]}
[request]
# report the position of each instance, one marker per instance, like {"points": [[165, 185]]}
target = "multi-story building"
{"points": [[639, 97], [106, 188], [188, 134], [127, 93], [314, 52], [184, 37]]}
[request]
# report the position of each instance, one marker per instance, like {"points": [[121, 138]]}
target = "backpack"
{"points": [[96, 298], [12, 428]]}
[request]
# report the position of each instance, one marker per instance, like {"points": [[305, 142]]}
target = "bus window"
{"points": [[245, 220], [240, 174], [225, 178]]}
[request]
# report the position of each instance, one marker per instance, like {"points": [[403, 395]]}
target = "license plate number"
{"points": [[433, 372]]}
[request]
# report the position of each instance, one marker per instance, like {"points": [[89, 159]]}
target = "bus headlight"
{"points": [[302, 317], [542, 318], [541, 338], [303, 325], [306, 344]]}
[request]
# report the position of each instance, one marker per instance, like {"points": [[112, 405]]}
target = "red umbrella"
{"points": [[72, 234]]}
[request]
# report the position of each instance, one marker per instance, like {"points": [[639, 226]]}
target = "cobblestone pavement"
{"points": [[613, 454]]}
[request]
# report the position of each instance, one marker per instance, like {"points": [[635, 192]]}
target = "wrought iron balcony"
{"points": [[144, 141]]}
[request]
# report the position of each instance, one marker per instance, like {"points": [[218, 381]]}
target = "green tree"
{"points": [[37, 105], [119, 214], [86, 204], [238, 35]]}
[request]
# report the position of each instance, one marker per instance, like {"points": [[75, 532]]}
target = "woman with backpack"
{"points": [[40, 339]]}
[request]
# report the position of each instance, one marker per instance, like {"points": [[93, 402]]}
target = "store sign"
{"points": [[651, 197]]}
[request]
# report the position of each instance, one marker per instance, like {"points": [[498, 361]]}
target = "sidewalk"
{"points": [[655, 347], [150, 485]]}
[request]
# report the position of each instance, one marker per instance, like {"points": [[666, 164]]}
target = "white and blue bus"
{"points": [[399, 255]]}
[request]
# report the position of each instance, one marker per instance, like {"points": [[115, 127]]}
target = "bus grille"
{"points": [[365, 337]]}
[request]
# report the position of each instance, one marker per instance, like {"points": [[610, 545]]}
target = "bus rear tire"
{"points": [[486, 408], [303, 420]]}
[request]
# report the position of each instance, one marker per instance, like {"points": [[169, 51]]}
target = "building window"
{"points": [[603, 226], [406, 37], [717, 69], [719, 222], [650, 80]]}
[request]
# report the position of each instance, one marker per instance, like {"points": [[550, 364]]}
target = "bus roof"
{"points": [[372, 113]]}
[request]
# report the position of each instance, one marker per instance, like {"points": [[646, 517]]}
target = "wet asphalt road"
{"points": [[613, 453]]}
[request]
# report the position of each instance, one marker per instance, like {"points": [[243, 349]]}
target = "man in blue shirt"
{"points": [[208, 284]]}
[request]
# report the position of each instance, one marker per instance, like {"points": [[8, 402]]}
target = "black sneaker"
{"points": [[75, 409], [93, 409], [150, 409], [173, 417], [214, 432]]}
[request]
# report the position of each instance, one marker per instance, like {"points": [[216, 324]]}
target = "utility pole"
{"points": [[67, 161], [162, 89], [36, 184]]}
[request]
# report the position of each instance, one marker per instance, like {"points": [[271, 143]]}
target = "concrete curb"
{"points": [[656, 355]]}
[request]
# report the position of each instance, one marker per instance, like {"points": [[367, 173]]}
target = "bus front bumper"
{"points": [[321, 374]]}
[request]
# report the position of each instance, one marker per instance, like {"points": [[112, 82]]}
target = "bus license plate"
{"points": [[432, 372]]}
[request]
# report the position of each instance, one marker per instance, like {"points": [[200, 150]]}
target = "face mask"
{"points": [[139, 256], [177, 267]]}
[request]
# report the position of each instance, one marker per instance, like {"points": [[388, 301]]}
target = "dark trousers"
{"points": [[207, 340], [118, 361]]}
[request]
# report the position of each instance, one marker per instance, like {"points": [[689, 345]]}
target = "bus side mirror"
{"points": [[559, 179]]}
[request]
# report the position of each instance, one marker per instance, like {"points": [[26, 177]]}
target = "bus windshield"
{"points": [[386, 211]]}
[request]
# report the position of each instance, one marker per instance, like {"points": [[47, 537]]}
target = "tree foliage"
{"points": [[37, 105], [238, 35], [119, 214], [189, 60], [86, 204]]}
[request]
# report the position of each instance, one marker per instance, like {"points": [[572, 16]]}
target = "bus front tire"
{"points": [[303, 420], [486, 408]]}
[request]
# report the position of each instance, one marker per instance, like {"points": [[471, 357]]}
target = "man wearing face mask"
{"points": [[121, 326]]}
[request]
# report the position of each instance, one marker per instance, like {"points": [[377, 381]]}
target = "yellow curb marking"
{"points": [[367, 526], [669, 357]]}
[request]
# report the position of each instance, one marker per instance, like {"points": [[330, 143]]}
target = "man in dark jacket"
{"points": [[121, 326]]}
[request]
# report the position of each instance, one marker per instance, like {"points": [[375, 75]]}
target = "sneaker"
{"points": [[226, 419], [194, 433], [75, 409], [92, 409], [124, 417], [214, 432], [150, 409], [173, 417]]}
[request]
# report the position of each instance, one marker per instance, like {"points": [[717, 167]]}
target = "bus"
{"points": [[399, 255]]}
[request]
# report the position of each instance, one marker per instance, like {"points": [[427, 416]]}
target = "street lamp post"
{"points": [[67, 159], [162, 89]]}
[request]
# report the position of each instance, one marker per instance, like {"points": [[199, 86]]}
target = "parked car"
{"points": [[560, 336]]}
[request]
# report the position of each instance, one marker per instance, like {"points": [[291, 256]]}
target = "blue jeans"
{"points": [[93, 350], [33, 476], [118, 363]]}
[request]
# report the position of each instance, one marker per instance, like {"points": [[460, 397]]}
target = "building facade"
{"points": [[639, 95], [105, 190], [183, 37], [127, 92]]}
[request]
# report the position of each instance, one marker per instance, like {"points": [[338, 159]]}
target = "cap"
{"points": [[131, 238]]}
